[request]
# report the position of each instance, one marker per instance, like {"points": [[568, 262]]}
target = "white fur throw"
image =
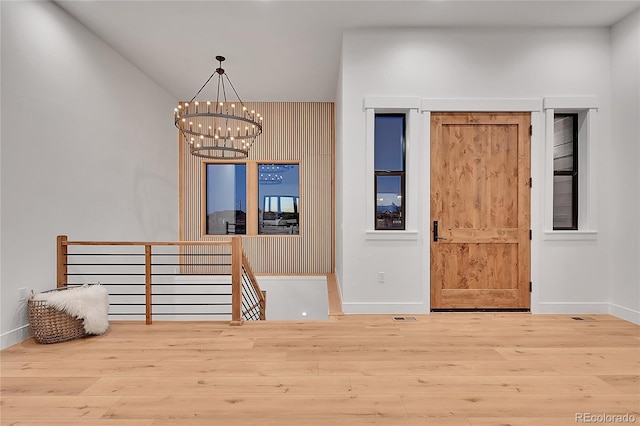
{"points": [[89, 303]]}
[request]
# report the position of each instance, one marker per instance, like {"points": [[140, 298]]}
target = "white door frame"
{"points": [[534, 106]]}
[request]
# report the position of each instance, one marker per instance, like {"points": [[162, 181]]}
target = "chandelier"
{"points": [[224, 129]]}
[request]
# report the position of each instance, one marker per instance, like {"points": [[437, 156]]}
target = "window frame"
{"points": [[259, 200], [400, 173], [586, 107], [573, 173], [409, 106], [204, 195], [252, 194]]}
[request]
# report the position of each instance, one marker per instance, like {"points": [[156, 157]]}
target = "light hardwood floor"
{"points": [[441, 369]]}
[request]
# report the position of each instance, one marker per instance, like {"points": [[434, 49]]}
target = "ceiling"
{"points": [[290, 50]]}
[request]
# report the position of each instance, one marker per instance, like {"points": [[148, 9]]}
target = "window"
{"points": [[279, 202], [268, 203], [226, 199], [565, 172], [389, 171], [394, 168], [571, 136]]}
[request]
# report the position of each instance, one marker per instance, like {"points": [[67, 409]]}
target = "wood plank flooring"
{"points": [[441, 369]]}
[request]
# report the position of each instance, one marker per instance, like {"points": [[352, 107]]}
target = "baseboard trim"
{"points": [[384, 308], [624, 313], [571, 308], [12, 337]]}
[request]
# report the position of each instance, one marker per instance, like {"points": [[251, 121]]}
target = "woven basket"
{"points": [[50, 325]]}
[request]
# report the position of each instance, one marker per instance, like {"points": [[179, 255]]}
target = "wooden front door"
{"points": [[480, 210]]}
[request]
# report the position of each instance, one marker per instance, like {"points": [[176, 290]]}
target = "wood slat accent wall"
{"points": [[300, 132]]}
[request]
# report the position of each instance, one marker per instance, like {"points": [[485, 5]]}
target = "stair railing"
{"points": [[157, 262]]}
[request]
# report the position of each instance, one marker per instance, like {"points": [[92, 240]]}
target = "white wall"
{"points": [[624, 258], [301, 298], [339, 183], [448, 63], [88, 150]]}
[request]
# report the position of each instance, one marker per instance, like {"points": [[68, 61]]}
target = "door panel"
{"points": [[480, 196]]}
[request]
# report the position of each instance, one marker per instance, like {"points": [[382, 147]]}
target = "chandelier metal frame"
{"points": [[224, 129]]}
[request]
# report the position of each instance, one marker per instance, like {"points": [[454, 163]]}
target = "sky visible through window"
{"points": [[389, 135], [226, 187]]}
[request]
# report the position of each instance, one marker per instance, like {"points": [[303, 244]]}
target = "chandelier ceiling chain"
{"points": [[221, 132]]}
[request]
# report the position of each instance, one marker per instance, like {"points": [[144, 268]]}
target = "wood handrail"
{"points": [[253, 279], [262, 295], [143, 243]]}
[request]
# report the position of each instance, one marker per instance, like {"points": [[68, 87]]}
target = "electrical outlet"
{"points": [[23, 294], [380, 277]]}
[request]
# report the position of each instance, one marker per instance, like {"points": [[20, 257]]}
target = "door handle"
{"points": [[435, 232]]}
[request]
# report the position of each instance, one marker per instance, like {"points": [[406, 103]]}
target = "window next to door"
{"points": [[571, 137], [565, 171], [389, 174], [394, 168]]}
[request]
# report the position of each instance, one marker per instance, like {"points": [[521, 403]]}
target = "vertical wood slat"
{"points": [[61, 269], [300, 132], [147, 282], [236, 281]]}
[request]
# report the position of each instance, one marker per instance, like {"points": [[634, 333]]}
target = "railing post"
{"points": [[263, 306], [61, 261], [147, 282], [236, 281]]}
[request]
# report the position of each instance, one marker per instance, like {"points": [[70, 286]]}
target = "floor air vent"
{"points": [[400, 319], [583, 318]]}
